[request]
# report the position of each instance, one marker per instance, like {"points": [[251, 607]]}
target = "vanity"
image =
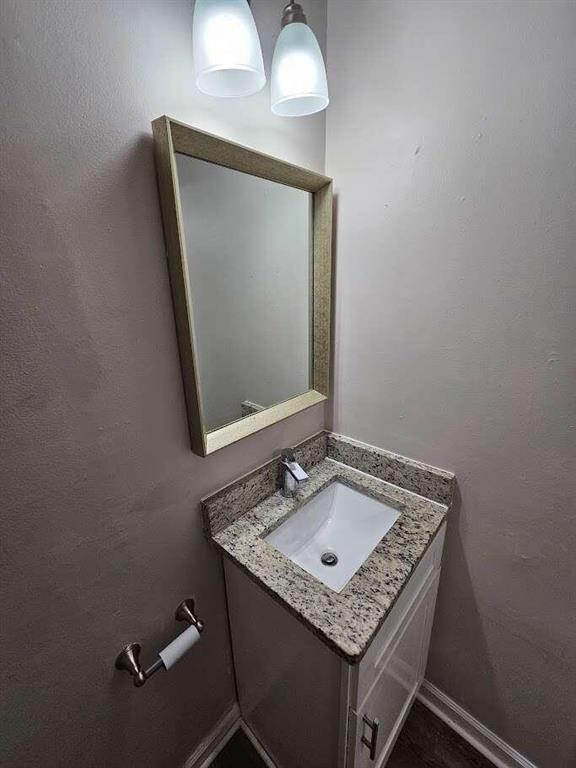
{"points": [[329, 656], [332, 552]]}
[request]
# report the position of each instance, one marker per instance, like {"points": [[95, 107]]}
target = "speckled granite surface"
{"points": [[431, 482], [345, 621], [231, 502]]}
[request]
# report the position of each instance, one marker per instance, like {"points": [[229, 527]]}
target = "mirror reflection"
{"points": [[249, 263]]}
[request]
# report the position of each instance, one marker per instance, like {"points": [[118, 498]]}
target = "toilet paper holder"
{"points": [[128, 659]]}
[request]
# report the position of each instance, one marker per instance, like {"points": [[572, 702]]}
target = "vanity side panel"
{"points": [[289, 683]]}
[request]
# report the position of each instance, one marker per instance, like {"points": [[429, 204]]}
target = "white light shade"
{"points": [[227, 53], [299, 85]]}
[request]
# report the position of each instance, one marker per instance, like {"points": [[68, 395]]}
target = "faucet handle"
{"points": [[296, 471], [292, 466]]}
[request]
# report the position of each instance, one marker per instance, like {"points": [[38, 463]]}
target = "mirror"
{"points": [[248, 242], [240, 275]]}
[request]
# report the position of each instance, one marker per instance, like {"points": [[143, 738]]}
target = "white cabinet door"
{"points": [[370, 667], [380, 718]]}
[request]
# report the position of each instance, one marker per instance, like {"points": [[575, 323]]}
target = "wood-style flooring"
{"points": [[425, 742]]}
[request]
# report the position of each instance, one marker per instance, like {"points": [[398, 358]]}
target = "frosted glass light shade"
{"points": [[299, 86], [227, 53]]}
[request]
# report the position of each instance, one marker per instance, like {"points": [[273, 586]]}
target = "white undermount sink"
{"points": [[333, 533]]}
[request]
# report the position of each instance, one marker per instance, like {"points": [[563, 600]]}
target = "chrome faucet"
{"points": [[293, 474]]}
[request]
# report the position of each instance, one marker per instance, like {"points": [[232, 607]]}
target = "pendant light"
{"points": [[227, 53], [299, 86]]}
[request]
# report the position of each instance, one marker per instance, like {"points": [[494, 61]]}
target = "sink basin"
{"points": [[333, 533]]}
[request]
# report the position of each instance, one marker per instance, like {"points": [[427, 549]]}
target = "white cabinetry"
{"points": [[307, 706]]}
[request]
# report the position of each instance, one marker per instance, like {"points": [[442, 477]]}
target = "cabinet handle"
{"points": [[372, 742]]}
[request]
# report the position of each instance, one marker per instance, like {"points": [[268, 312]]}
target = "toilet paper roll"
{"points": [[178, 647]]}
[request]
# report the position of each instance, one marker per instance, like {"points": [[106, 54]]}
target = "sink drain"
{"points": [[329, 558]]}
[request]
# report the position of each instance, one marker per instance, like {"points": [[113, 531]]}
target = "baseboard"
{"points": [[481, 738], [216, 740], [258, 746]]}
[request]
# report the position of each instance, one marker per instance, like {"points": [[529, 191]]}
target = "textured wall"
{"points": [[452, 140], [100, 526]]}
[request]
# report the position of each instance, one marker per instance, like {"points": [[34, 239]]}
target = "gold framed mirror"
{"points": [[248, 241]]}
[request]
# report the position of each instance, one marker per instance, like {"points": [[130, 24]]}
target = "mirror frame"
{"points": [[170, 137]]}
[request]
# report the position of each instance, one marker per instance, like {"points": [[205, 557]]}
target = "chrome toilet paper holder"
{"points": [[128, 659]]}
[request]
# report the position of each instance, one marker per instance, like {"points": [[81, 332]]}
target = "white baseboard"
{"points": [[473, 731], [220, 735], [481, 738], [258, 746], [216, 740]]}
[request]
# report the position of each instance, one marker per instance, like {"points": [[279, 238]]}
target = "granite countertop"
{"points": [[346, 621]]}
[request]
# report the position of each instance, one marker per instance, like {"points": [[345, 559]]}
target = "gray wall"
{"points": [[452, 140], [100, 526]]}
